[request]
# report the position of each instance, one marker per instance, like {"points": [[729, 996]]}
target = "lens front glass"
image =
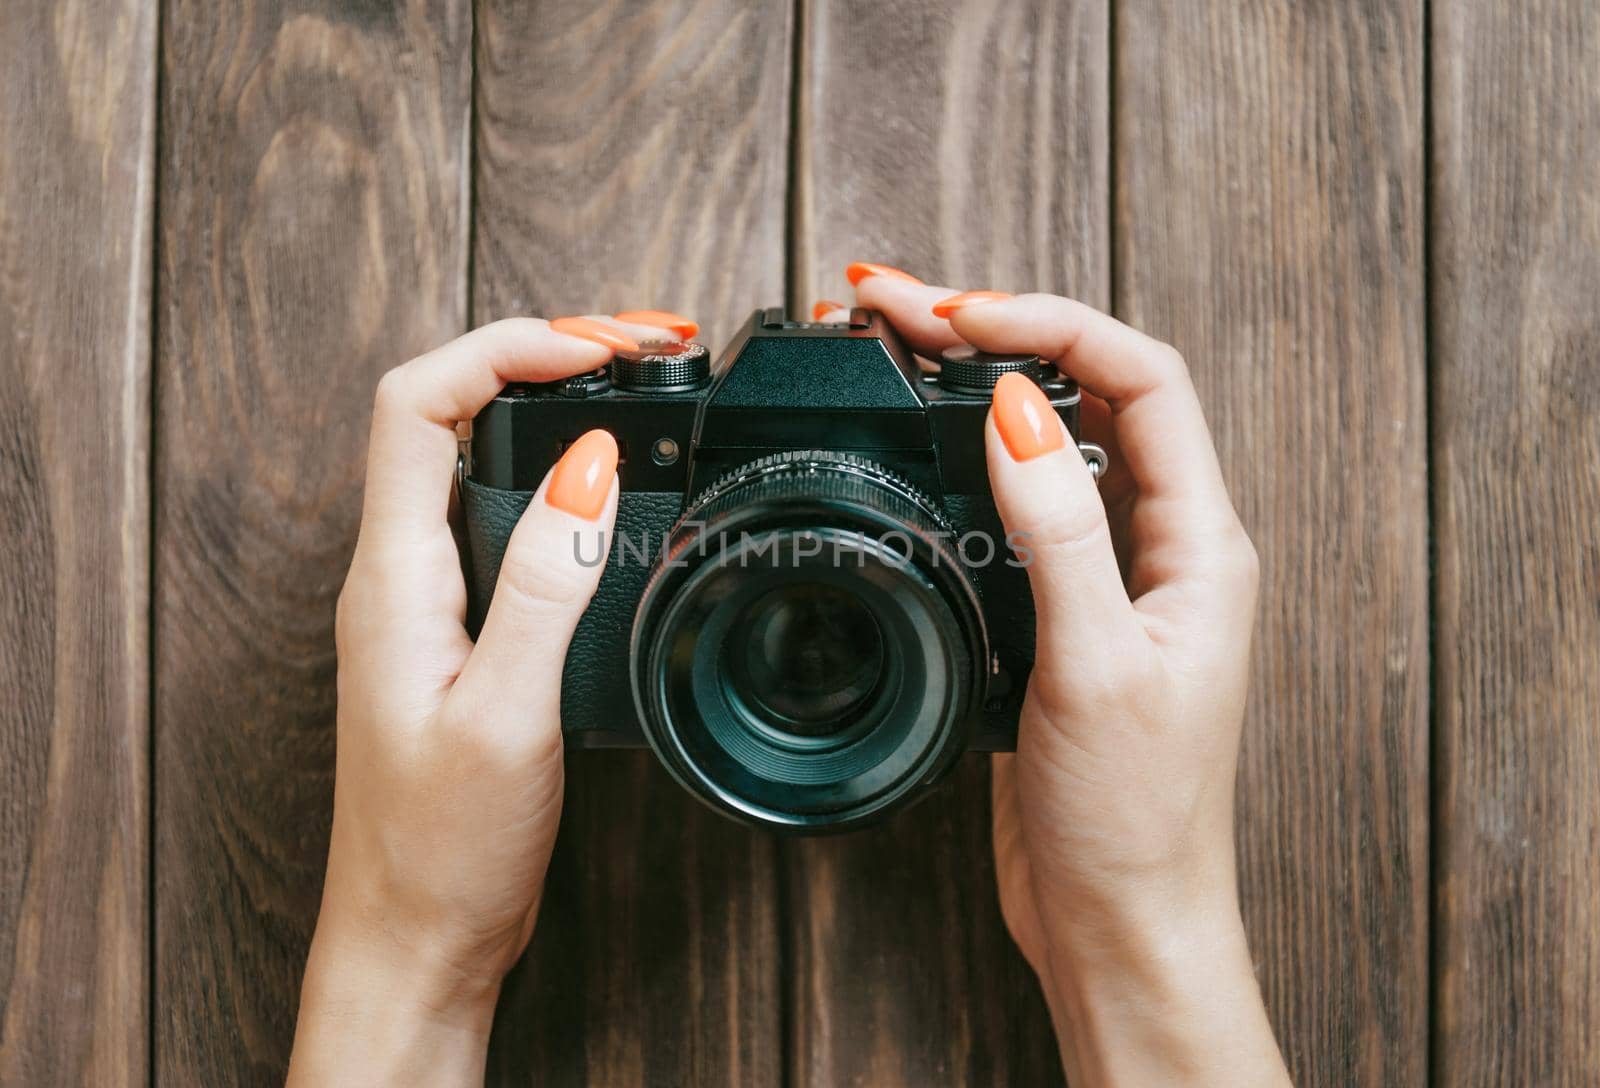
{"points": [[811, 654], [806, 657]]}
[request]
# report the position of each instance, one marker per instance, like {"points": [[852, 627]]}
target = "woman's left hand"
{"points": [[449, 771]]}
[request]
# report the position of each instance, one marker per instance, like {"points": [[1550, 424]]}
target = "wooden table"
{"points": [[1373, 228]]}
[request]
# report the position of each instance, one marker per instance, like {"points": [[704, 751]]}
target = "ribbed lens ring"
{"points": [[899, 563], [799, 475]]}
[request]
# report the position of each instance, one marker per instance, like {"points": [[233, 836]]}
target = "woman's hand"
{"points": [[448, 786], [1113, 823]]}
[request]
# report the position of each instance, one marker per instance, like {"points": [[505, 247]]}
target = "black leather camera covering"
{"points": [[597, 708]]}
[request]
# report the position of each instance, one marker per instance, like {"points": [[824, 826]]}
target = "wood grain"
{"points": [[1516, 452], [313, 182], [629, 157], [77, 144], [1268, 169], [966, 143], [1269, 223], [634, 156], [963, 142]]}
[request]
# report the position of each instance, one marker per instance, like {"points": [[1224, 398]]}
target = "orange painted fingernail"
{"points": [[682, 327], [947, 306], [588, 329], [860, 270], [822, 307], [1022, 414], [581, 480]]}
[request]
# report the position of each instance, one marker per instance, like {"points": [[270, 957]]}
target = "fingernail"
{"points": [[947, 306], [860, 270], [1022, 414], [587, 329], [822, 307], [581, 480], [682, 327]]}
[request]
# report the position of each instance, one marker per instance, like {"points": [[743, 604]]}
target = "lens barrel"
{"points": [[809, 650]]}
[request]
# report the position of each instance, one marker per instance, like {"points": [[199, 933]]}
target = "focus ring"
{"points": [[803, 464]]}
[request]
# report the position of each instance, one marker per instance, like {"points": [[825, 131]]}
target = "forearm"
{"points": [[1161, 1000], [375, 1012]]}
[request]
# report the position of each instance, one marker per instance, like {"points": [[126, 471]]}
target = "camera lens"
{"points": [[809, 651], [807, 657]]}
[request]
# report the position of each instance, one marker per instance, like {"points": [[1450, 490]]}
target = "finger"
{"points": [[548, 574], [908, 304], [1190, 544], [647, 325], [1052, 511], [412, 453], [1160, 428]]}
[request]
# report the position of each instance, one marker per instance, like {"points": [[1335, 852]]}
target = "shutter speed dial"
{"points": [[667, 366], [965, 369]]}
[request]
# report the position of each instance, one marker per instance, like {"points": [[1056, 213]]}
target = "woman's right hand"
{"points": [[1113, 823]]}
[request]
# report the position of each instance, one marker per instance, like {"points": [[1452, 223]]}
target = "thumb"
{"points": [[548, 575], [1051, 508]]}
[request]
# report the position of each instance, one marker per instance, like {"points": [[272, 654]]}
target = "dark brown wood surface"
{"points": [[77, 136], [1515, 284], [1269, 222], [1381, 314], [313, 183], [637, 158], [992, 173]]}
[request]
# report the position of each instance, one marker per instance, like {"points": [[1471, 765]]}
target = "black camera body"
{"points": [[810, 608]]}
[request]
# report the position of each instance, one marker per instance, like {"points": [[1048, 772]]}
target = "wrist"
{"points": [[389, 1010], [457, 945], [1160, 994]]}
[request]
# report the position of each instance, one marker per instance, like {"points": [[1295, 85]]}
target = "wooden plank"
{"points": [[1269, 223], [966, 143], [631, 157], [312, 234], [76, 151], [1516, 441], [77, 146]]}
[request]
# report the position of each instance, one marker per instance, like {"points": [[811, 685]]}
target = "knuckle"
{"points": [[1068, 530], [544, 585], [1114, 679], [393, 392], [1236, 560], [341, 616], [1170, 364], [541, 746], [1124, 681], [353, 602], [467, 743], [483, 739], [1248, 559], [486, 747]]}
